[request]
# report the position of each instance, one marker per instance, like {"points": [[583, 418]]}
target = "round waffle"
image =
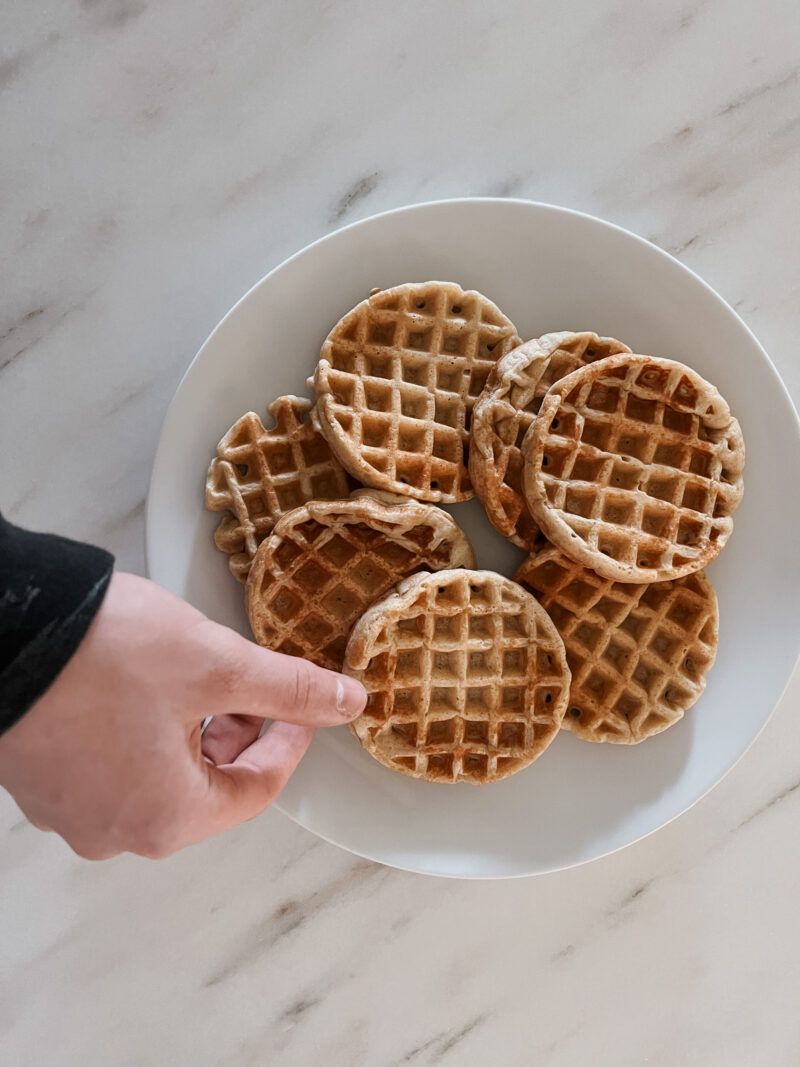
{"points": [[466, 675], [326, 562], [505, 410], [397, 380], [258, 475], [638, 653], [633, 467]]}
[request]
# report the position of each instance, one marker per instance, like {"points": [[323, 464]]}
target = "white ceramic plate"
{"points": [[548, 269]]}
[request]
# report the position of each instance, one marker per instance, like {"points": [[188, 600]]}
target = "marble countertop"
{"points": [[158, 159]]}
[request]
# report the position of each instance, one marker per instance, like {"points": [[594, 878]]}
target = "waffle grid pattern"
{"points": [[638, 653], [324, 564], [633, 468], [467, 678], [504, 413], [259, 475], [397, 381]]}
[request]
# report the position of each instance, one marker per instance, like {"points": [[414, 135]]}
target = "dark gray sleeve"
{"points": [[50, 590]]}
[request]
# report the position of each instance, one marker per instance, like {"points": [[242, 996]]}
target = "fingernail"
{"points": [[351, 697]]}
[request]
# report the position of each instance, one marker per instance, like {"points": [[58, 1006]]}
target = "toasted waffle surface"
{"points": [[466, 675], [326, 562], [504, 412], [638, 653], [633, 467], [259, 474], [397, 380]]}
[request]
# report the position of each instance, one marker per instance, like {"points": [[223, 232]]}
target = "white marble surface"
{"points": [[157, 159]]}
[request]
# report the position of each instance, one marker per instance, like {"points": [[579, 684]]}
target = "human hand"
{"points": [[112, 756]]}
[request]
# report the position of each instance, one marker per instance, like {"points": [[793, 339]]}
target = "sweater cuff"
{"points": [[50, 591]]}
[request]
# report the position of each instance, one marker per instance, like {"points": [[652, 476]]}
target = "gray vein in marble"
{"points": [[677, 250], [686, 17], [624, 911], [445, 1041], [20, 327], [358, 191], [119, 522], [29, 316], [32, 226], [634, 895], [278, 171], [310, 845], [617, 914], [710, 172], [114, 14], [401, 922], [6, 361], [11, 66], [510, 186], [683, 134], [11, 509], [667, 24], [783, 795], [620, 911], [563, 953], [775, 85], [791, 126], [247, 186], [298, 1009], [290, 916], [129, 396], [544, 1053]]}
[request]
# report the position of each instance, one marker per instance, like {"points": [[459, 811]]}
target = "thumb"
{"points": [[250, 680], [243, 789]]}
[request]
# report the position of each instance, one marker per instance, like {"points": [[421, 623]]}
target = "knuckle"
{"points": [[252, 792], [271, 793], [156, 845], [267, 790], [93, 850], [301, 686], [225, 668], [167, 831], [154, 852], [222, 680]]}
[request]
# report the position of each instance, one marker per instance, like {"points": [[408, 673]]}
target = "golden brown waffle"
{"points": [[326, 562], [638, 654], [505, 410], [466, 675], [258, 475], [396, 382], [633, 467]]}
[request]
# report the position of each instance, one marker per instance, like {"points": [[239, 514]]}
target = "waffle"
{"points": [[638, 653], [396, 382], [505, 410], [258, 475], [466, 675], [633, 467], [326, 562]]}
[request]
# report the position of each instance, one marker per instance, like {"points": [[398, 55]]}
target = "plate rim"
{"points": [[159, 459]]}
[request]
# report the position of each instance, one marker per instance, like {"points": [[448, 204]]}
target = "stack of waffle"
{"points": [[618, 473]]}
